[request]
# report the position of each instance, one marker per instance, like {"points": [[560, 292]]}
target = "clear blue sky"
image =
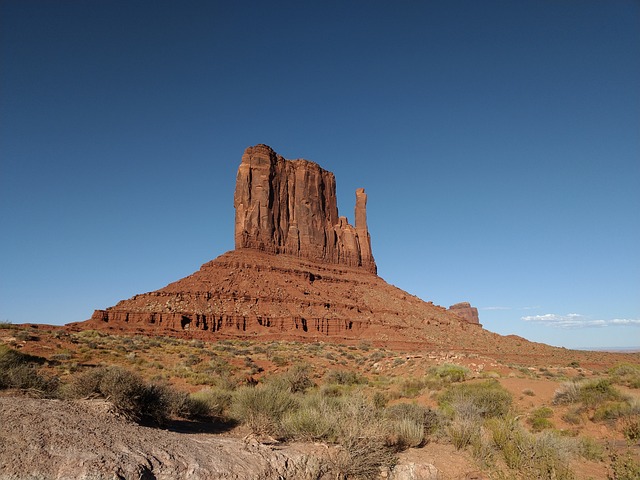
{"points": [[499, 143]]}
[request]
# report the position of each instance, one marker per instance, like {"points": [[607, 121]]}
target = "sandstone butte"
{"points": [[299, 271]]}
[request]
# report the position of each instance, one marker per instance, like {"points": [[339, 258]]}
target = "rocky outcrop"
{"points": [[290, 207], [465, 311], [250, 292], [299, 270]]}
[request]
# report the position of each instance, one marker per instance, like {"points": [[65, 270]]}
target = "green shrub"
{"points": [[311, 422], [544, 455], [10, 358], [595, 392], [611, 411], [211, 402], [590, 449], [406, 433], [591, 393], [539, 419], [572, 417], [411, 387], [486, 399], [450, 372], [626, 374], [262, 408]]}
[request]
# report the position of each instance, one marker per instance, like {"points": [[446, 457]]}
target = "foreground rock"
{"points": [[51, 439], [85, 440]]}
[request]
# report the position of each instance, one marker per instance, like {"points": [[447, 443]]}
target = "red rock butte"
{"points": [[299, 270], [290, 207]]}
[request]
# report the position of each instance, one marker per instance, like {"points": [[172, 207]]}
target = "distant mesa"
{"points": [[465, 311], [298, 270]]}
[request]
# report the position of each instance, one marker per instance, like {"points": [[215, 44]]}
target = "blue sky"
{"points": [[498, 141]]}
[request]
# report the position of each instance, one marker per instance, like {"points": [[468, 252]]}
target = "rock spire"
{"points": [[290, 207]]}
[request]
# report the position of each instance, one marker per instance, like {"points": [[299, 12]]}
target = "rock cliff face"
{"points": [[465, 311], [290, 207]]}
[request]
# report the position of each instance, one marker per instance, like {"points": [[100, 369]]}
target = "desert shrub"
{"points": [[485, 399], [590, 449], [314, 420], [631, 427], [129, 394], [539, 419], [425, 416], [411, 387], [262, 408], [297, 379], [462, 431], [591, 393], [450, 372], [410, 424], [380, 400], [211, 402], [528, 392], [624, 467], [28, 378], [543, 455], [344, 377], [626, 374], [10, 358], [611, 411], [572, 417], [595, 392], [406, 433], [20, 371], [363, 436], [567, 393]]}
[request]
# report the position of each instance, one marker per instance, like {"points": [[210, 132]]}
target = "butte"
{"points": [[299, 271]]}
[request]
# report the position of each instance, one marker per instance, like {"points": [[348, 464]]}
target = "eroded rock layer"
{"points": [[290, 207], [247, 291]]}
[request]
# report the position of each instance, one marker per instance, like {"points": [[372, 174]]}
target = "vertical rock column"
{"points": [[290, 206]]}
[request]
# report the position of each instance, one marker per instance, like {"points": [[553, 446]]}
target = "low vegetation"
{"points": [[371, 402]]}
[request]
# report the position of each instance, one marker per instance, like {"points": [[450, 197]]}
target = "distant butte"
{"points": [[299, 270]]}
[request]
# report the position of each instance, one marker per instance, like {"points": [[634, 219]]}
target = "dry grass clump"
{"points": [[484, 399], [539, 419], [542, 455], [450, 373], [591, 393], [626, 374]]}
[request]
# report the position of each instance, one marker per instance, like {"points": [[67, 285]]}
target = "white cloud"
{"points": [[576, 320], [495, 308]]}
